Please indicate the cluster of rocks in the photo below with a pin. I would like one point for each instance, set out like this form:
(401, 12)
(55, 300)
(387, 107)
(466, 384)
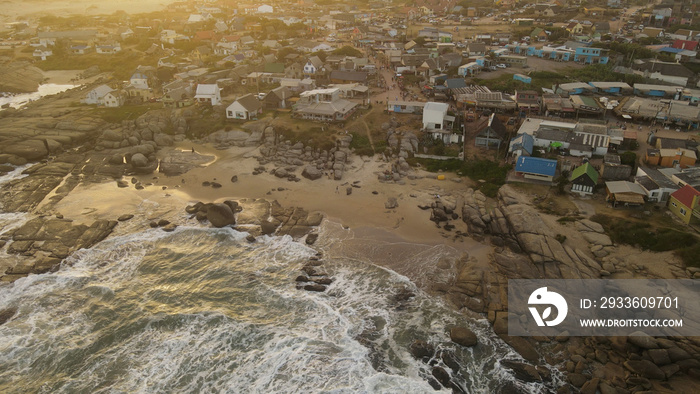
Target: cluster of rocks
(600, 243)
(135, 141)
(635, 363)
(45, 242)
(443, 212)
(526, 247)
(58, 177)
(313, 277)
(286, 173)
(316, 162)
(443, 360)
(224, 139)
(31, 139)
(399, 169)
(219, 215)
(259, 217)
(405, 142)
(164, 224)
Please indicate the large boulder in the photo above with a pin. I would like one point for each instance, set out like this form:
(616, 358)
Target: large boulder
(139, 160)
(163, 139)
(30, 149)
(645, 368)
(220, 215)
(463, 336)
(311, 172)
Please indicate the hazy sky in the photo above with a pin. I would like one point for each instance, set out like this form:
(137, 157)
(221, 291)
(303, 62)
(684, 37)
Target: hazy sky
(13, 8)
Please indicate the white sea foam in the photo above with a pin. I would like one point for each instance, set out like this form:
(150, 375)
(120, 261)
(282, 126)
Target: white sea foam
(203, 310)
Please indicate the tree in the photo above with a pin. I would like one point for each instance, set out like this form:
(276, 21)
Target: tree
(629, 158)
(562, 181)
(347, 51)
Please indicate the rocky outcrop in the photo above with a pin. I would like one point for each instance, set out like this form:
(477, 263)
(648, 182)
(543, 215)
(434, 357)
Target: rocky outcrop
(177, 162)
(19, 77)
(463, 336)
(259, 217)
(316, 162)
(133, 140)
(314, 277)
(43, 243)
(220, 215)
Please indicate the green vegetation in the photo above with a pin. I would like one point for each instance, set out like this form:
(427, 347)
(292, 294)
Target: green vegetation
(631, 52)
(629, 158)
(547, 79)
(121, 64)
(298, 130)
(659, 239)
(478, 170)
(361, 144)
(347, 51)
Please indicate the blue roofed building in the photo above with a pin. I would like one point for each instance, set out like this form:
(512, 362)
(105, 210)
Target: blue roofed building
(536, 168)
(589, 55)
(522, 145)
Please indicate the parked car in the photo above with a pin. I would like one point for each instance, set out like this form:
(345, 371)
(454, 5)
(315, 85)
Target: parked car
(493, 68)
(501, 65)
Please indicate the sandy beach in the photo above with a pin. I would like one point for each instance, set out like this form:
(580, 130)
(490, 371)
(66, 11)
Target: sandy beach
(360, 209)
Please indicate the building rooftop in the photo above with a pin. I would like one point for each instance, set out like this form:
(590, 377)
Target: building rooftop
(536, 165)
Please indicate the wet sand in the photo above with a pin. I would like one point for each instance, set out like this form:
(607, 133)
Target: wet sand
(360, 217)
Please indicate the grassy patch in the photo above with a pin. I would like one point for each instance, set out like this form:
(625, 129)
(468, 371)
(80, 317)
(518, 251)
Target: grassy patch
(121, 64)
(361, 144)
(645, 236)
(492, 173)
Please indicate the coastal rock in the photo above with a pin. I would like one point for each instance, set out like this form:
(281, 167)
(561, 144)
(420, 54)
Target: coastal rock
(422, 350)
(139, 160)
(523, 371)
(645, 368)
(463, 336)
(441, 376)
(315, 287)
(643, 340)
(163, 139)
(220, 215)
(7, 314)
(28, 149)
(391, 203)
(311, 172)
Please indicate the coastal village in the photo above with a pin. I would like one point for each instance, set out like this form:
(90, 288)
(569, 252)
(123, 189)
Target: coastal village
(563, 135)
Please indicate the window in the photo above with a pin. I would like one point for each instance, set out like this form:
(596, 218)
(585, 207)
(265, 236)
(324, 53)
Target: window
(674, 204)
(682, 211)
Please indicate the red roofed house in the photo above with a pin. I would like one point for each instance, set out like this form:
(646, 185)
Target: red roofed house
(206, 35)
(685, 203)
(685, 44)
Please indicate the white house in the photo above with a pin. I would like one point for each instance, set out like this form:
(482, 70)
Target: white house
(208, 93)
(139, 80)
(434, 115)
(42, 52)
(108, 48)
(112, 99)
(265, 9)
(438, 123)
(95, 96)
(312, 65)
(246, 107)
(226, 48)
